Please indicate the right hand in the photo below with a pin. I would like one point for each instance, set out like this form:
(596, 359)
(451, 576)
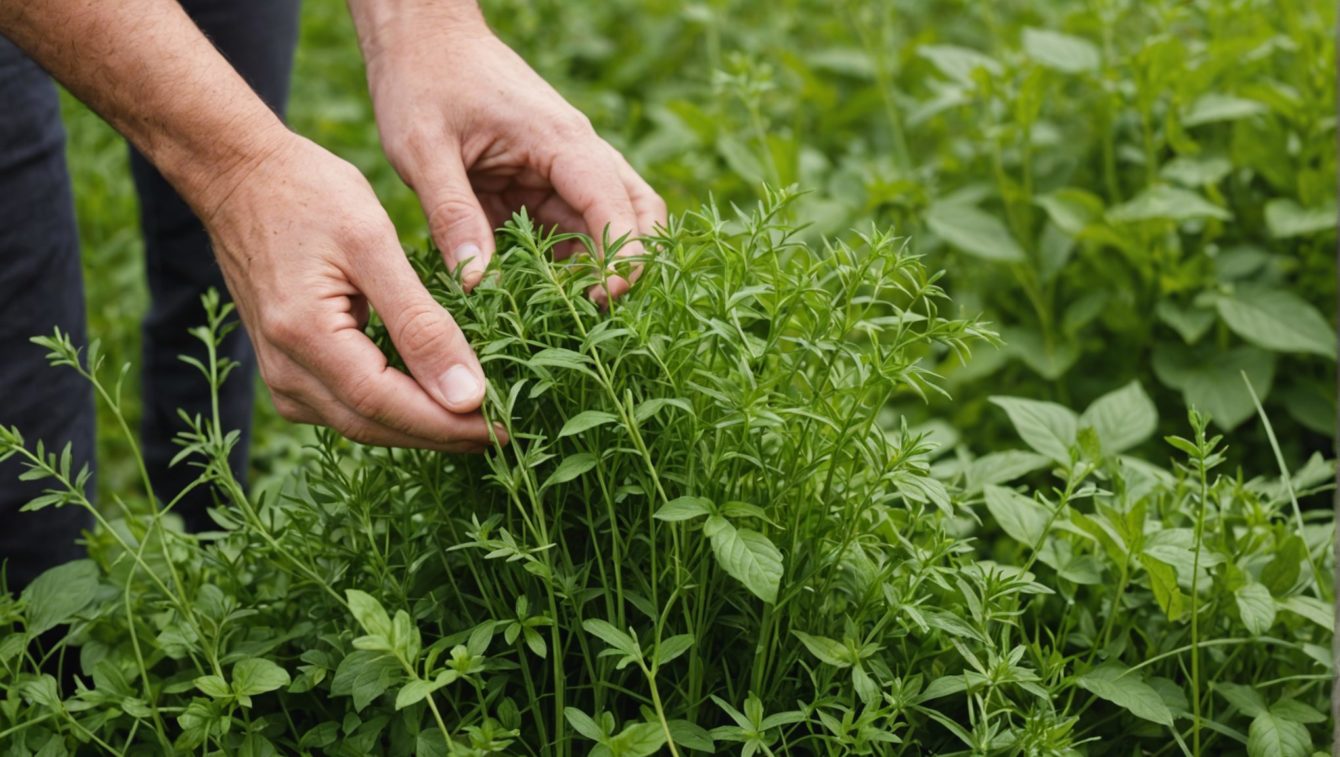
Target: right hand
(305, 247)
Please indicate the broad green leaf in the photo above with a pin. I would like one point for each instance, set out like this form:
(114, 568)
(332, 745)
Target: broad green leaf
(256, 675)
(959, 63)
(1128, 691)
(1122, 418)
(1272, 736)
(365, 676)
(973, 231)
(1061, 52)
(1219, 107)
(748, 556)
(1277, 320)
(1191, 322)
(1045, 426)
(59, 594)
(1196, 172)
(1298, 712)
(1247, 699)
(691, 736)
(1213, 384)
(571, 467)
(369, 613)
(584, 421)
(1071, 209)
(828, 651)
(1286, 218)
(1256, 607)
(683, 508)
(1313, 609)
(639, 740)
(213, 686)
(1021, 517)
(1001, 468)
(1162, 202)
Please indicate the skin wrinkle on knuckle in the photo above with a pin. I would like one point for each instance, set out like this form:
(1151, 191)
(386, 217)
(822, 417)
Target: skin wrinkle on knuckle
(454, 209)
(421, 331)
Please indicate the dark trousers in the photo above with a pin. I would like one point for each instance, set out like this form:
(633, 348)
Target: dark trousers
(41, 288)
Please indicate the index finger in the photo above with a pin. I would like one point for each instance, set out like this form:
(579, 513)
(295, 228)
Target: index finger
(588, 179)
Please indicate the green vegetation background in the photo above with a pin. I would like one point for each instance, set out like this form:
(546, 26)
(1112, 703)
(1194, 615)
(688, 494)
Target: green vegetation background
(1116, 222)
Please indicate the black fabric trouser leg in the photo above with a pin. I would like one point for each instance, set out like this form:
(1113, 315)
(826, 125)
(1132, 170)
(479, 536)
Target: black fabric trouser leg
(41, 288)
(258, 38)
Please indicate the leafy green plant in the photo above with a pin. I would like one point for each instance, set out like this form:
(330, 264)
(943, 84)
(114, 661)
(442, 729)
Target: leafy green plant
(712, 530)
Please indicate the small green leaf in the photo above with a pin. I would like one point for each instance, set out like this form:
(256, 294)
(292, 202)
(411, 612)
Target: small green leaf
(583, 724)
(1214, 107)
(413, 692)
(683, 508)
(255, 675)
(1163, 580)
(213, 686)
(1061, 52)
(829, 651)
(571, 467)
(1165, 203)
(612, 636)
(369, 613)
(584, 421)
(1256, 607)
(673, 647)
(959, 63)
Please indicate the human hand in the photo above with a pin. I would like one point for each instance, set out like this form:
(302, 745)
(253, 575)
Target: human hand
(305, 247)
(478, 135)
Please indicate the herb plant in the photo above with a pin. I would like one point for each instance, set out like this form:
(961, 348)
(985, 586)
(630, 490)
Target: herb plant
(713, 529)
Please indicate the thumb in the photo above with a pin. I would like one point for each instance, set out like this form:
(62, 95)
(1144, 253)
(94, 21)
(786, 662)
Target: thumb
(424, 333)
(457, 221)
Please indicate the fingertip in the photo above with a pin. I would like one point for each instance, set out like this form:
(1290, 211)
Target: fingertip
(460, 389)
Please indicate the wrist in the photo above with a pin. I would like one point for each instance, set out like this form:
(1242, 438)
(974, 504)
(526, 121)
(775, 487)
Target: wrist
(386, 25)
(209, 171)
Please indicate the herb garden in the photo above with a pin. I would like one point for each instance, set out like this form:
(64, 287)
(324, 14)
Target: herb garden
(977, 399)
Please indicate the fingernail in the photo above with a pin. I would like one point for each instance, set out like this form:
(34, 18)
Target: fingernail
(460, 386)
(470, 258)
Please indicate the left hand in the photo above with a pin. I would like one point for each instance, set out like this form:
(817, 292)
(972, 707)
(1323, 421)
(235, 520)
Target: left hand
(478, 135)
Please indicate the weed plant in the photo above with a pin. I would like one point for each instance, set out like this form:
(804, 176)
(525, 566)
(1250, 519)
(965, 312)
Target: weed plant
(711, 531)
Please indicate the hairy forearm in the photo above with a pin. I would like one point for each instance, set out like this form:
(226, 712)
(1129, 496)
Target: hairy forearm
(381, 22)
(146, 68)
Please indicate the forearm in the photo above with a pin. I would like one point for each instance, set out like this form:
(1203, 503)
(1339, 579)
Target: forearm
(379, 22)
(145, 67)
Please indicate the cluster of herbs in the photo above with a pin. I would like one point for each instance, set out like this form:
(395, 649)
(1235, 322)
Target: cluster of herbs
(712, 530)
(1130, 190)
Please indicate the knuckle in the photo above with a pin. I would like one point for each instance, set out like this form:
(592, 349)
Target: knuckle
(281, 327)
(363, 397)
(452, 210)
(421, 330)
(573, 127)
